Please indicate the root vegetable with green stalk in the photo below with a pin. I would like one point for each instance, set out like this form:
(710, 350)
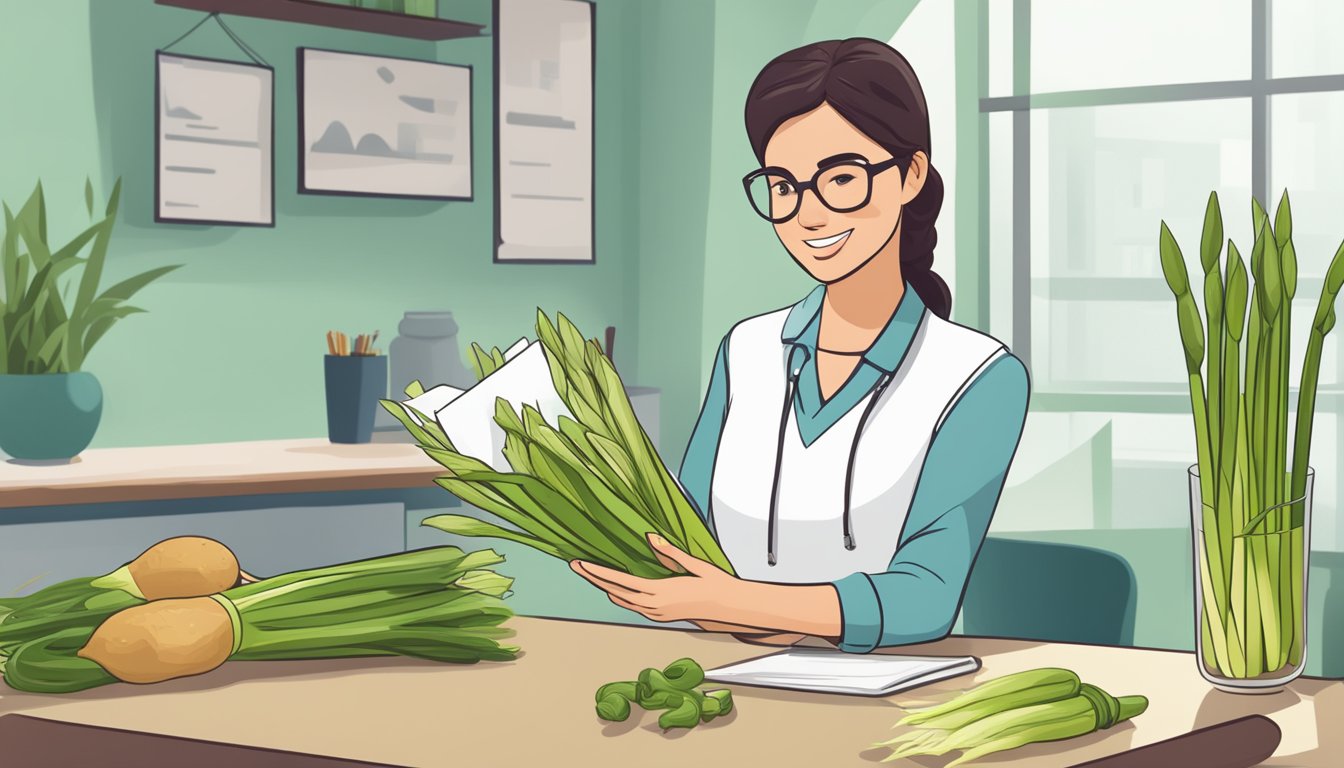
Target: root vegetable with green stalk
(440, 604)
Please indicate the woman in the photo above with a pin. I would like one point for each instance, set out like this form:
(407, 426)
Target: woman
(852, 447)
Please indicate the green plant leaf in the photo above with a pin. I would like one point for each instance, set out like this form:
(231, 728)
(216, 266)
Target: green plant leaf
(1283, 221)
(1212, 239)
(41, 213)
(32, 238)
(1173, 263)
(1270, 285)
(1237, 293)
(9, 260)
(476, 357)
(104, 324)
(93, 269)
(130, 286)
(88, 195)
(54, 344)
(72, 248)
(1259, 219)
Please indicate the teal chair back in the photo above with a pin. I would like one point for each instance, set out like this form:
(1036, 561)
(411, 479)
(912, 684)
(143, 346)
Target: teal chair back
(1325, 620)
(1035, 590)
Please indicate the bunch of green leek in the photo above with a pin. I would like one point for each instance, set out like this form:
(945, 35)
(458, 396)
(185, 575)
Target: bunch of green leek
(590, 487)
(1011, 711)
(1252, 550)
(440, 604)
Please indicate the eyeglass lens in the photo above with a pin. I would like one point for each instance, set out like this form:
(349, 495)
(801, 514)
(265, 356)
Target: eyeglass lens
(841, 187)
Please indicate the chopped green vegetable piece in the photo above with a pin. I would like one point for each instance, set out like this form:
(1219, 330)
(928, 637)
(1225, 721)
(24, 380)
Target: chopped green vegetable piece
(684, 674)
(613, 707)
(669, 690)
(685, 715)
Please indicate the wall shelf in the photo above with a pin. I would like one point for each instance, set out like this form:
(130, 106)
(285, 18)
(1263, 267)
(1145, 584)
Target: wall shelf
(343, 17)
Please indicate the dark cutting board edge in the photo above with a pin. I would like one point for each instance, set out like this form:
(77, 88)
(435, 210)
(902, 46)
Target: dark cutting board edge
(38, 742)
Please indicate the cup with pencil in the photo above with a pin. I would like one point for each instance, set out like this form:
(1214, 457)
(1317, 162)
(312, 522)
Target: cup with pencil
(356, 381)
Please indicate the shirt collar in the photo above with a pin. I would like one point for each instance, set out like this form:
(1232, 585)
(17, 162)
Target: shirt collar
(803, 324)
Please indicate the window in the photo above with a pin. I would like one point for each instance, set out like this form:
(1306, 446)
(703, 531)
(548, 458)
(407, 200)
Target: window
(1102, 118)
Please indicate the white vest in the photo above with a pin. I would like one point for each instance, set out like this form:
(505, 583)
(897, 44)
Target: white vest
(943, 359)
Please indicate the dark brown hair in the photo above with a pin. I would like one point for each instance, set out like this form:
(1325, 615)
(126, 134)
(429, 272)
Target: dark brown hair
(874, 88)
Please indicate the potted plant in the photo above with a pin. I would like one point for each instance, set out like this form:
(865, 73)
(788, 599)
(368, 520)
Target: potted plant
(1250, 500)
(49, 407)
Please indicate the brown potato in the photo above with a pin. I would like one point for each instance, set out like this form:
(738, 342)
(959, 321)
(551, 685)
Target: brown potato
(185, 566)
(162, 640)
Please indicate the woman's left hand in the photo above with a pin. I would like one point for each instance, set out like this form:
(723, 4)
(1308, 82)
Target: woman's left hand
(705, 593)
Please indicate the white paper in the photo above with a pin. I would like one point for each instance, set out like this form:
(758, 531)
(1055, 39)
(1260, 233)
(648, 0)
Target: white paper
(468, 418)
(820, 669)
(518, 346)
(427, 404)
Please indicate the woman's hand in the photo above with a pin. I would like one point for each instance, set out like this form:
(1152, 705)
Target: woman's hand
(754, 635)
(705, 594)
(712, 599)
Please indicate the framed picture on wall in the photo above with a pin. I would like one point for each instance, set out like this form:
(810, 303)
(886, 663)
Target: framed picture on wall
(383, 126)
(215, 138)
(544, 131)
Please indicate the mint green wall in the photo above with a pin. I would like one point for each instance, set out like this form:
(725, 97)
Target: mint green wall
(677, 64)
(231, 347)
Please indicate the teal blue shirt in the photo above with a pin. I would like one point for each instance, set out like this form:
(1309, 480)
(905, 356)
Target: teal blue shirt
(916, 599)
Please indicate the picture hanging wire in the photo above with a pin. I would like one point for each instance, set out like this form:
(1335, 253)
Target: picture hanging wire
(238, 41)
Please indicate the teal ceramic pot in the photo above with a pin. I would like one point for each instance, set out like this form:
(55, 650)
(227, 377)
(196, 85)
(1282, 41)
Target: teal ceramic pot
(48, 416)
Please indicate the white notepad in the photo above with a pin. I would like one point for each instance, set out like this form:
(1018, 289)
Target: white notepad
(830, 671)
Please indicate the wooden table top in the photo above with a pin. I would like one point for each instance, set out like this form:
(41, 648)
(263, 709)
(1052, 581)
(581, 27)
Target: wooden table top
(538, 710)
(217, 469)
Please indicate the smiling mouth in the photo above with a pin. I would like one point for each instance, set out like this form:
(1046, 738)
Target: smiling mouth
(827, 242)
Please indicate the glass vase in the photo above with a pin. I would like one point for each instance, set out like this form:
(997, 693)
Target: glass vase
(1250, 570)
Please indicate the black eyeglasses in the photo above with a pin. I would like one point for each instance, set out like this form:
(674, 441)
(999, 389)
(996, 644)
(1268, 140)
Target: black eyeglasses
(843, 187)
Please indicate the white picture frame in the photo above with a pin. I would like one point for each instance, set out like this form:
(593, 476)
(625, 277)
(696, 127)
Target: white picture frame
(544, 116)
(214, 152)
(381, 126)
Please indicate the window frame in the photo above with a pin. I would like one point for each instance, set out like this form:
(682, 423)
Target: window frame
(1259, 88)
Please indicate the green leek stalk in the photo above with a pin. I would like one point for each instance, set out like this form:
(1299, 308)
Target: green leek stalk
(1232, 454)
(1192, 339)
(1283, 231)
(1021, 689)
(1209, 253)
(1248, 456)
(1274, 401)
(1322, 323)
(1012, 711)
